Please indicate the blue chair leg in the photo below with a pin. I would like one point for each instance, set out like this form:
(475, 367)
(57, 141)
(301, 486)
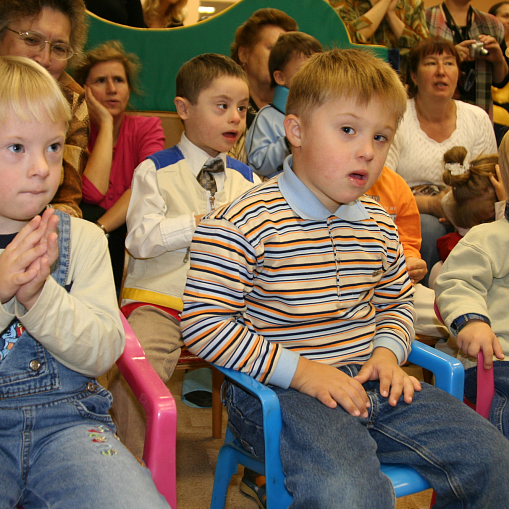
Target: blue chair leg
(227, 462)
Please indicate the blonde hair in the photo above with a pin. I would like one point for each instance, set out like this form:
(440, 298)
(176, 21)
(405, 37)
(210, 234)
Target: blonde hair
(29, 92)
(503, 157)
(473, 192)
(345, 73)
(174, 11)
(107, 52)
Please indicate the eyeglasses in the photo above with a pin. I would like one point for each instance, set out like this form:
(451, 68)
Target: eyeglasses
(59, 50)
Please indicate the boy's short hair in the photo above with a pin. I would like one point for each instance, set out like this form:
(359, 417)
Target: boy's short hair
(287, 46)
(29, 92)
(107, 52)
(198, 74)
(345, 73)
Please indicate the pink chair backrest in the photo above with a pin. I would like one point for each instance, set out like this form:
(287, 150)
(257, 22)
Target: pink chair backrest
(159, 452)
(485, 387)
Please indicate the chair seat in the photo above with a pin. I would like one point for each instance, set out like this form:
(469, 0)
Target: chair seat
(449, 376)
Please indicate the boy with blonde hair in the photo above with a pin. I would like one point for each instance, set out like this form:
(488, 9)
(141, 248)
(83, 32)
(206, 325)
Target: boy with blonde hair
(313, 297)
(59, 321)
(171, 192)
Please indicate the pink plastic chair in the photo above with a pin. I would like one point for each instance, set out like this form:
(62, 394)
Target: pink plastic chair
(159, 452)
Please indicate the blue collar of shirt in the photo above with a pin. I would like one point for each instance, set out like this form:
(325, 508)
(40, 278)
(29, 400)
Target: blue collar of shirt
(279, 98)
(307, 205)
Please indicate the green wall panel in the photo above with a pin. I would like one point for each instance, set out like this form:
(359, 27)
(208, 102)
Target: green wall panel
(163, 51)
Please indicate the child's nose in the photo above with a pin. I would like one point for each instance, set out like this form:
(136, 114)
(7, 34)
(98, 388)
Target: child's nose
(39, 167)
(235, 116)
(366, 150)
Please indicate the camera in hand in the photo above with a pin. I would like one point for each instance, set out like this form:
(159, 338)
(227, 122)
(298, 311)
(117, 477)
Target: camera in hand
(477, 49)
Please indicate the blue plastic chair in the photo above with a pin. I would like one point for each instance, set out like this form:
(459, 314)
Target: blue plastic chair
(449, 376)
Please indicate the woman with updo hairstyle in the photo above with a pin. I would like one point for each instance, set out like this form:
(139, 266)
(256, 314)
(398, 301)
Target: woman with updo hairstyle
(476, 194)
(251, 49)
(118, 142)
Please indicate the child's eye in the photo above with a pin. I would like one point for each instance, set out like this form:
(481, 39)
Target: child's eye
(17, 148)
(54, 147)
(348, 130)
(242, 108)
(223, 106)
(381, 137)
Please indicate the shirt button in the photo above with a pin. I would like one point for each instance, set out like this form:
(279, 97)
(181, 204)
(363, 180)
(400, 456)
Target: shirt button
(91, 387)
(35, 365)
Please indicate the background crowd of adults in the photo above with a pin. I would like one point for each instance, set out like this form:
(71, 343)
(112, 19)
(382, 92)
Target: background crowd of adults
(449, 86)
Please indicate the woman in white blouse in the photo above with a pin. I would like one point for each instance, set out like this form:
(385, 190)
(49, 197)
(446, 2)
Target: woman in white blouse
(433, 123)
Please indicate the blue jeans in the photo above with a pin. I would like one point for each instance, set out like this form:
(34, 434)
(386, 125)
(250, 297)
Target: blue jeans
(331, 459)
(57, 442)
(431, 230)
(499, 413)
(65, 454)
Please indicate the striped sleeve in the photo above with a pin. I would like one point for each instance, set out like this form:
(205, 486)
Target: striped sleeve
(214, 326)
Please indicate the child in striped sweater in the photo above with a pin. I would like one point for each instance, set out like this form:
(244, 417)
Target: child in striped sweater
(302, 284)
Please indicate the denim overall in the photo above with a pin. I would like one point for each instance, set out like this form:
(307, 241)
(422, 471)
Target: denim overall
(57, 442)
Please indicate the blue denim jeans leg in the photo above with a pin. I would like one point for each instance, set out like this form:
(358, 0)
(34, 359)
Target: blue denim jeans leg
(431, 230)
(499, 413)
(331, 459)
(66, 455)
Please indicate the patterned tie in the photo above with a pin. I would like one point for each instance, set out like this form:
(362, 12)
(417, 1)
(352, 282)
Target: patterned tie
(206, 177)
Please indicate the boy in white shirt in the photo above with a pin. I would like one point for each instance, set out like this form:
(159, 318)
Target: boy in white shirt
(167, 203)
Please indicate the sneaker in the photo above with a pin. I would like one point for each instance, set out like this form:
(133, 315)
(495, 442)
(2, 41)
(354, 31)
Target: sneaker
(253, 485)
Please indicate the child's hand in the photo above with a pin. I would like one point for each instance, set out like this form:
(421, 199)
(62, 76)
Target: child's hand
(330, 386)
(383, 366)
(477, 335)
(19, 255)
(416, 268)
(497, 184)
(29, 292)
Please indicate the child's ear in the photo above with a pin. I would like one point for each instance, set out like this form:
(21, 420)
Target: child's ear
(279, 78)
(182, 104)
(293, 130)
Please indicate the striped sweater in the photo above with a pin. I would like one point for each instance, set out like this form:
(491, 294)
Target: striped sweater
(275, 276)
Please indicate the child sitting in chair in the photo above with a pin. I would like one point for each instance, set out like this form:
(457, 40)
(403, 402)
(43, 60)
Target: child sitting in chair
(471, 291)
(266, 143)
(301, 283)
(59, 321)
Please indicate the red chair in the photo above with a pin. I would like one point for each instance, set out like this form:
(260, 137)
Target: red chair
(159, 452)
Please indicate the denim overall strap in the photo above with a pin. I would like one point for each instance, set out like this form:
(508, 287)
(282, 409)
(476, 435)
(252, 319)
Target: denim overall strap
(60, 269)
(29, 369)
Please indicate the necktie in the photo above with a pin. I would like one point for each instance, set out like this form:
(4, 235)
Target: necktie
(206, 177)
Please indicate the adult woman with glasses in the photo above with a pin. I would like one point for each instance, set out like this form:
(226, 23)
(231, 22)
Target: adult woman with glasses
(52, 33)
